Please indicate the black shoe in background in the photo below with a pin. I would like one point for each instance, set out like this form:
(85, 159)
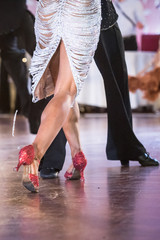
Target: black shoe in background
(49, 173)
(146, 160)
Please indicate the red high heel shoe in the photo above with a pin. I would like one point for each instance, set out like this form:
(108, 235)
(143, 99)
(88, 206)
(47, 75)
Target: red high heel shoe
(26, 156)
(30, 171)
(79, 163)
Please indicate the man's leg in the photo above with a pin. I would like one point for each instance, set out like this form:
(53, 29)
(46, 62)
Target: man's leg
(122, 143)
(53, 160)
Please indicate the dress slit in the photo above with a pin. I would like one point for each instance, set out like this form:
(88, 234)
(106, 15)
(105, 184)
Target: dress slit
(77, 24)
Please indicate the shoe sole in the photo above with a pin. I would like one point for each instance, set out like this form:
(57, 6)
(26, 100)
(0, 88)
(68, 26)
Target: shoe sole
(29, 186)
(26, 181)
(149, 165)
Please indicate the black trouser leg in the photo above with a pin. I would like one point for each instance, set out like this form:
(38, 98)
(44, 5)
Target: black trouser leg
(55, 155)
(12, 59)
(27, 38)
(4, 90)
(122, 142)
(27, 41)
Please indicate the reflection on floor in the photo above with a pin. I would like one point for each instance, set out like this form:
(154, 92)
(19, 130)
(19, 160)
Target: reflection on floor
(113, 203)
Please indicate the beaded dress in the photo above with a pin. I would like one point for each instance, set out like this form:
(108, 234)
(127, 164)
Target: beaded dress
(77, 24)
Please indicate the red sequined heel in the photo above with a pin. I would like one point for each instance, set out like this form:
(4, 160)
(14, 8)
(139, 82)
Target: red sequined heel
(79, 163)
(30, 171)
(26, 156)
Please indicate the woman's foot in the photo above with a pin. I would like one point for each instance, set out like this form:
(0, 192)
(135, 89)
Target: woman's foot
(30, 171)
(76, 170)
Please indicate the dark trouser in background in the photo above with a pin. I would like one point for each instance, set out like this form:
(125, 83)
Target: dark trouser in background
(12, 46)
(4, 90)
(12, 61)
(130, 43)
(109, 57)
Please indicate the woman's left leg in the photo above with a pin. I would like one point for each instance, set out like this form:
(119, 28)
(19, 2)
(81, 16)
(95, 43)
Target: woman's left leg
(71, 129)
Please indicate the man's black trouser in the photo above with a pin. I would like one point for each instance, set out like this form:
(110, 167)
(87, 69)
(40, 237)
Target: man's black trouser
(109, 57)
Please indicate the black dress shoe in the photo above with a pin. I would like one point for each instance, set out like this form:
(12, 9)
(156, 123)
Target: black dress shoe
(48, 173)
(147, 160)
(124, 163)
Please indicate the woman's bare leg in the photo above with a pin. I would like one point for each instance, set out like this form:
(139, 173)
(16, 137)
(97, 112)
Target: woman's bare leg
(71, 129)
(57, 110)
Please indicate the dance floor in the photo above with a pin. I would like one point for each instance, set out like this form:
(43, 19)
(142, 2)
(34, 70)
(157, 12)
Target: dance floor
(114, 203)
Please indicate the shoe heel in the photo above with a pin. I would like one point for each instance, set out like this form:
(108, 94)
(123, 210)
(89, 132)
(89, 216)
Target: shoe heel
(15, 169)
(79, 164)
(82, 175)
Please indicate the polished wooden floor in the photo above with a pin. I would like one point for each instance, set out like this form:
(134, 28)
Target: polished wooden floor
(114, 203)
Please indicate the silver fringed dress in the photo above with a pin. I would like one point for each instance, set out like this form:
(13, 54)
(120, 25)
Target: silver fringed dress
(77, 24)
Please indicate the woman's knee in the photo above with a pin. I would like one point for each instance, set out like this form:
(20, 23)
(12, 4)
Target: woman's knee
(69, 91)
